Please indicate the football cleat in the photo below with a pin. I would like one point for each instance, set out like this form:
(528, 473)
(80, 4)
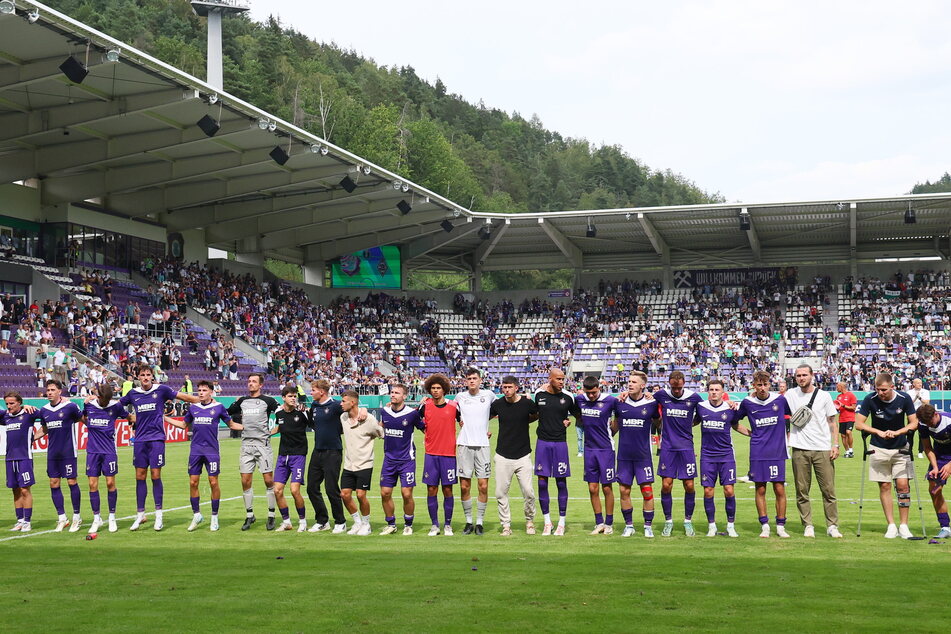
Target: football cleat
(159, 524)
(355, 528)
(250, 519)
(944, 533)
(598, 529)
(389, 529)
(608, 530)
(214, 523)
(364, 529)
(61, 524)
(339, 528)
(731, 530)
(96, 525)
(284, 526)
(765, 531)
(649, 532)
(688, 528)
(781, 531)
(712, 530)
(628, 531)
(447, 530)
(17, 526)
(196, 520)
(302, 526)
(75, 524)
(479, 529)
(271, 523)
(139, 520)
(547, 530)
(468, 529)
(26, 527)
(668, 528)
(434, 531)
(407, 530)
(113, 525)
(559, 530)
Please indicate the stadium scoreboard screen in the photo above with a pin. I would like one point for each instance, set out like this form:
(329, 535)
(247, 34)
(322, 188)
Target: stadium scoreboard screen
(379, 267)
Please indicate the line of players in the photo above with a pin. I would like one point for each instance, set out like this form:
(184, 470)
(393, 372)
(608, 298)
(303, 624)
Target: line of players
(448, 459)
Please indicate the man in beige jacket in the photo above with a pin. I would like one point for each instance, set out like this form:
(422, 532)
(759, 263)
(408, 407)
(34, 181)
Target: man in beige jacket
(357, 461)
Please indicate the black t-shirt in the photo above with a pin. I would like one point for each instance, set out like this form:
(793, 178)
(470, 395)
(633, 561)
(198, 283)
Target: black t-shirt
(514, 418)
(887, 415)
(294, 427)
(553, 409)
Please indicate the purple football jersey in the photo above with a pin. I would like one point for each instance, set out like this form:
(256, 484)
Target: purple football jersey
(768, 425)
(19, 434)
(634, 428)
(677, 416)
(149, 411)
(716, 425)
(596, 420)
(398, 432)
(60, 421)
(204, 421)
(940, 436)
(101, 426)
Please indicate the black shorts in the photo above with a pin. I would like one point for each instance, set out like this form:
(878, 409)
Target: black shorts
(844, 428)
(356, 479)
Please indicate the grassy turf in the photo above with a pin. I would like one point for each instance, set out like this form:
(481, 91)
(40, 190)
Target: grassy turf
(228, 580)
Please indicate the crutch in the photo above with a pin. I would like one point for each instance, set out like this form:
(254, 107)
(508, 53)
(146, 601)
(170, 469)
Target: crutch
(909, 451)
(865, 454)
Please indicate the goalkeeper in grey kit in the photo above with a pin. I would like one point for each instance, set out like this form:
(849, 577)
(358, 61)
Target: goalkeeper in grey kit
(253, 412)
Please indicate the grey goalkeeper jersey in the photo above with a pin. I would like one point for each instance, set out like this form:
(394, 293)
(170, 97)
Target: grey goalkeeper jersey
(253, 413)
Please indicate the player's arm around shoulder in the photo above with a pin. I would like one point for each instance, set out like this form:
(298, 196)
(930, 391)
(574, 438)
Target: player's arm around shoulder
(181, 424)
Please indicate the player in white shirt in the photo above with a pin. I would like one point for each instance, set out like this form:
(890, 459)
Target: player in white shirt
(919, 396)
(472, 448)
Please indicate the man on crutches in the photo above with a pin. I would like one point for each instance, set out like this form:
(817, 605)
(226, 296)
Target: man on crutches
(887, 410)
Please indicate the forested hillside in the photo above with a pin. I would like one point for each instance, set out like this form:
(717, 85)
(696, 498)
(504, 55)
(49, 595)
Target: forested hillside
(474, 154)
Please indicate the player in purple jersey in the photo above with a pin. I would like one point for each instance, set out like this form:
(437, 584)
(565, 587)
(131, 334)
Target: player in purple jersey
(717, 462)
(935, 430)
(555, 407)
(596, 412)
(21, 432)
(203, 419)
(399, 458)
(678, 460)
(768, 414)
(59, 418)
(148, 402)
(633, 421)
(100, 417)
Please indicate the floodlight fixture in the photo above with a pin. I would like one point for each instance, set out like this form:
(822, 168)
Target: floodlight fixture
(7, 7)
(33, 16)
(112, 55)
(745, 224)
(262, 123)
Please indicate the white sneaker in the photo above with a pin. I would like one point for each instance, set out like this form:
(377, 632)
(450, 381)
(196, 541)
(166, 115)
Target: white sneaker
(353, 529)
(506, 531)
(197, 519)
(139, 520)
(833, 532)
(317, 527)
(389, 529)
(447, 530)
(339, 528)
(61, 523)
(364, 529)
(96, 525)
(731, 530)
(781, 531)
(891, 532)
(546, 532)
(628, 531)
(668, 528)
(712, 529)
(529, 528)
(649, 532)
(302, 526)
(580, 454)
(434, 530)
(688, 528)
(26, 527)
(559, 530)
(214, 523)
(809, 531)
(920, 455)
(17, 526)
(159, 521)
(765, 531)
(407, 530)
(75, 524)
(904, 532)
(608, 530)
(113, 525)
(283, 527)
(944, 533)
(598, 529)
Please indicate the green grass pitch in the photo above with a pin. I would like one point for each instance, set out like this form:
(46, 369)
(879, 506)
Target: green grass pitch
(230, 580)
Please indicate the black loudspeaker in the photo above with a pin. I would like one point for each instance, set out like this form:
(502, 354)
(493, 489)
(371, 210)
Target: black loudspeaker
(74, 70)
(208, 125)
(348, 184)
(446, 226)
(279, 155)
(404, 207)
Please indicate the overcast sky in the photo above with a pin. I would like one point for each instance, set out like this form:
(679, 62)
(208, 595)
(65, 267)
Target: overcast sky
(761, 101)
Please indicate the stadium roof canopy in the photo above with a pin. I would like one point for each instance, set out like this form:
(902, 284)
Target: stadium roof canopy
(127, 136)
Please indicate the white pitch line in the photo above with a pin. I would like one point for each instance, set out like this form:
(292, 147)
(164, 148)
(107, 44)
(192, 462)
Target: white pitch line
(119, 519)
